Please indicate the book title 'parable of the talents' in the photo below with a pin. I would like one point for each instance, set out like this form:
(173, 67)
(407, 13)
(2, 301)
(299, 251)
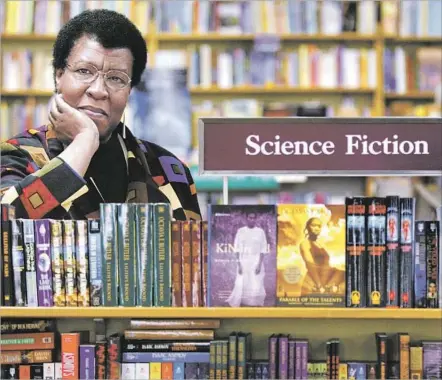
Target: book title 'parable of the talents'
(356, 144)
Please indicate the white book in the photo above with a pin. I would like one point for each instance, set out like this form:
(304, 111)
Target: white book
(142, 371)
(128, 371)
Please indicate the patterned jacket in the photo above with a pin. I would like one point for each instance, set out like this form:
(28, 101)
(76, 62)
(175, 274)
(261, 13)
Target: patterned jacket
(41, 185)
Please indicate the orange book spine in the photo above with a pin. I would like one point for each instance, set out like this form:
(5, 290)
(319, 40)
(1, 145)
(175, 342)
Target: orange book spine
(31, 341)
(186, 265)
(177, 291)
(24, 372)
(196, 263)
(70, 344)
(167, 371)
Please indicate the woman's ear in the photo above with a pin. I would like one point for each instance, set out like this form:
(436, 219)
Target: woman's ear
(58, 75)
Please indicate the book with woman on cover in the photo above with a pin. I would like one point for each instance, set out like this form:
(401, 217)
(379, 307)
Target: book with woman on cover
(311, 255)
(242, 255)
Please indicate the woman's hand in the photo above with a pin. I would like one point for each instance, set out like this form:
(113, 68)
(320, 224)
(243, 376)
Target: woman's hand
(69, 123)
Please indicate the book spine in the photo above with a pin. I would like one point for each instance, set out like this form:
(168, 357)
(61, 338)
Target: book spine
(82, 254)
(196, 263)
(27, 326)
(433, 265)
(30, 267)
(155, 371)
(283, 349)
(126, 254)
(393, 252)
(292, 359)
(37, 372)
(95, 263)
(376, 225)
(128, 371)
(145, 254)
(18, 263)
(224, 359)
(212, 360)
(416, 362)
(165, 357)
(109, 247)
(204, 261)
(439, 220)
(87, 361)
(177, 291)
(162, 267)
(25, 357)
(407, 212)
(404, 356)
(420, 266)
(134, 346)
(43, 256)
(329, 359)
(304, 358)
(186, 264)
(381, 344)
(49, 371)
(7, 214)
(273, 356)
(30, 341)
(174, 324)
(70, 343)
(58, 276)
(142, 370)
(70, 263)
(100, 360)
(232, 356)
(114, 358)
(242, 356)
(355, 252)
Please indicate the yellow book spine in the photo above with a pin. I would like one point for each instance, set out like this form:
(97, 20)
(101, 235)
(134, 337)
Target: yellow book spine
(155, 371)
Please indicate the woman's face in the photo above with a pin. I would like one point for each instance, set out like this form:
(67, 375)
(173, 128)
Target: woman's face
(315, 227)
(103, 105)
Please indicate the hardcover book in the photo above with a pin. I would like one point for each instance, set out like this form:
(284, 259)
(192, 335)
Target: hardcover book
(242, 255)
(311, 255)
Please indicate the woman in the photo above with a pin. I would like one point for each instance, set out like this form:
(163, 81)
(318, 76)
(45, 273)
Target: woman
(86, 156)
(320, 276)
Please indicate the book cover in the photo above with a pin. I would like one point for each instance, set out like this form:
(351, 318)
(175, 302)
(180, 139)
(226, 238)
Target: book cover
(242, 255)
(311, 255)
(44, 267)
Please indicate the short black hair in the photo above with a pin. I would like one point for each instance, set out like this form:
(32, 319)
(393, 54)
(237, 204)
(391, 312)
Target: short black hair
(111, 29)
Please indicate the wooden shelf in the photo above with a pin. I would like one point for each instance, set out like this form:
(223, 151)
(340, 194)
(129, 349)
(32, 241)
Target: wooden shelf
(413, 40)
(279, 90)
(38, 93)
(217, 37)
(255, 91)
(223, 313)
(412, 95)
(27, 37)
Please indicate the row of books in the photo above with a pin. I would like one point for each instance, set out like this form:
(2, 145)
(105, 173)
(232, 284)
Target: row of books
(191, 349)
(134, 255)
(306, 65)
(404, 72)
(202, 16)
(409, 18)
(370, 252)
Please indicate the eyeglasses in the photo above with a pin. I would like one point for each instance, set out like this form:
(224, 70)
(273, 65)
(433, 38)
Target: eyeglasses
(87, 73)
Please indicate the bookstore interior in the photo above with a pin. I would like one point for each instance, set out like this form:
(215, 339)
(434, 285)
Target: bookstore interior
(322, 266)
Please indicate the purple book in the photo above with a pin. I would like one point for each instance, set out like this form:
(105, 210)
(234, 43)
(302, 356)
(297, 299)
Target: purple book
(292, 358)
(87, 362)
(303, 344)
(273, 356)
(43, 256)
(432, 359)
(242, 255)
(283, 343)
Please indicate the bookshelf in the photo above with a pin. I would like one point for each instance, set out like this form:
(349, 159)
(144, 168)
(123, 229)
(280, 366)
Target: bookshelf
(222, 313)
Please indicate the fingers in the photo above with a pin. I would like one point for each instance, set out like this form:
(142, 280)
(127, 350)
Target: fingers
(62, 106)
(54, 113)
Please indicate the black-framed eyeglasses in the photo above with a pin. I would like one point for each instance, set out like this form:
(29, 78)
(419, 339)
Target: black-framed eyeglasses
(88, 73)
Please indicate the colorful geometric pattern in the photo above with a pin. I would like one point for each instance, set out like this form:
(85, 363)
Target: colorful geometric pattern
(41, 185)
